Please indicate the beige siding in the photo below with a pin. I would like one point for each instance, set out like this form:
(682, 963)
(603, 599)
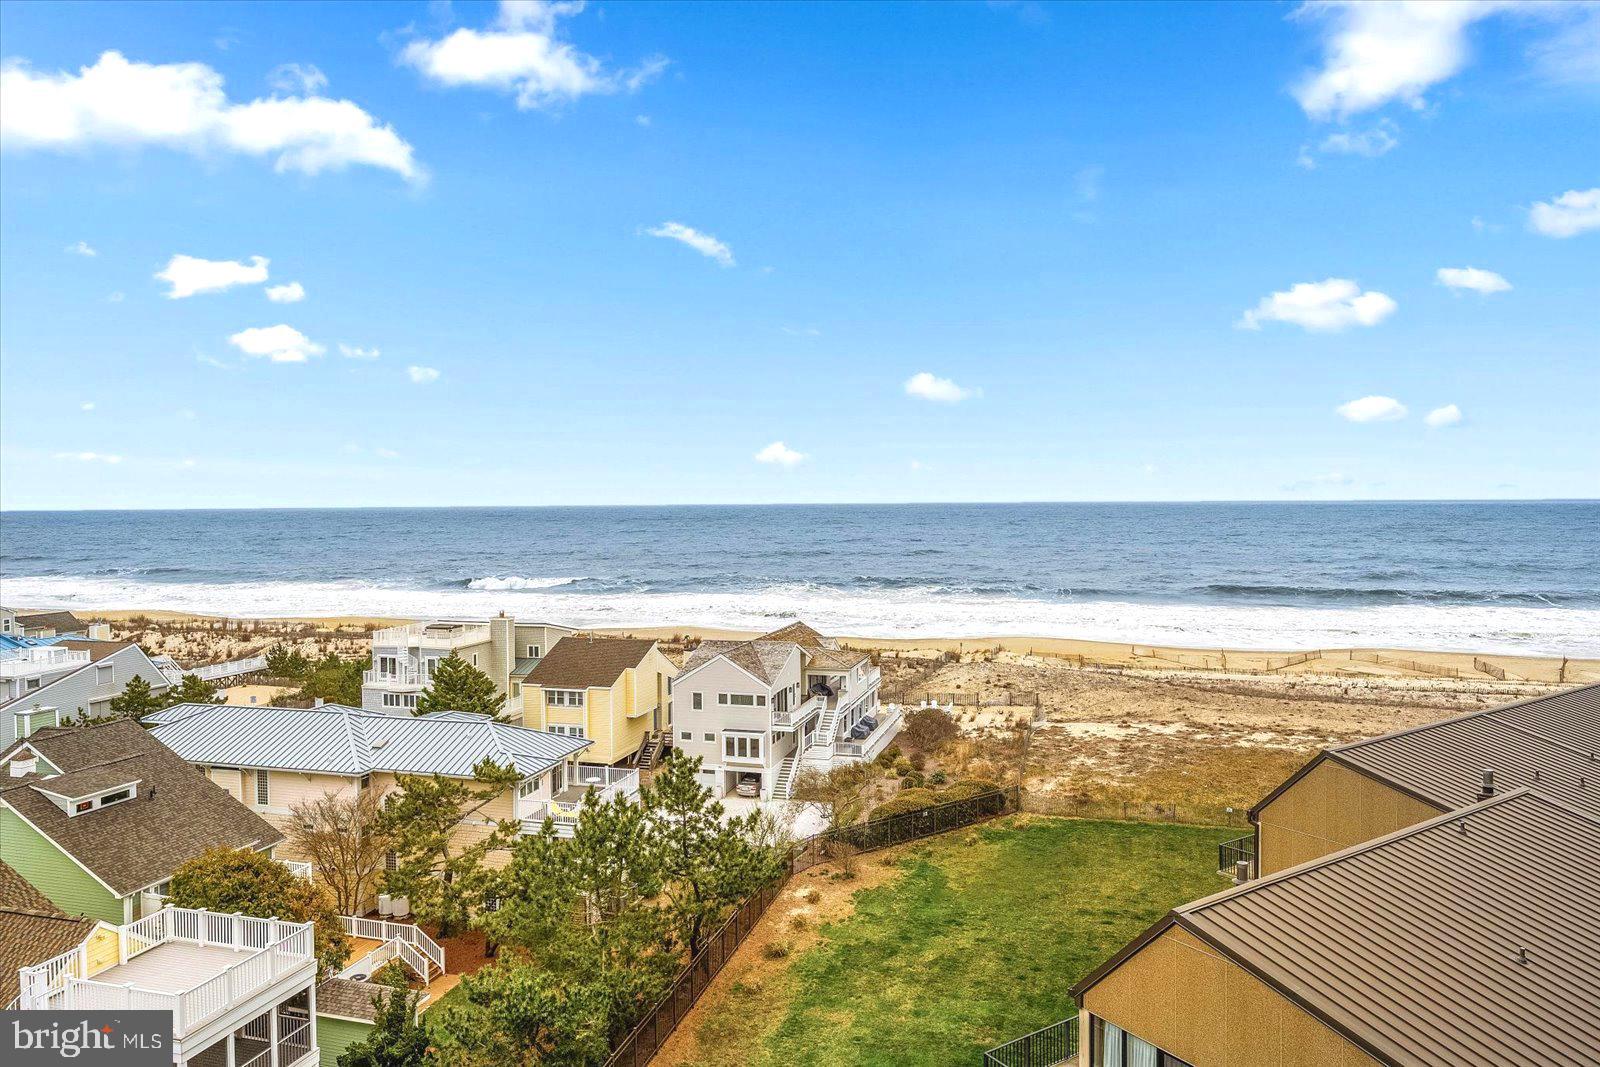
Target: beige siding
(1330, 808)
(1182, 995)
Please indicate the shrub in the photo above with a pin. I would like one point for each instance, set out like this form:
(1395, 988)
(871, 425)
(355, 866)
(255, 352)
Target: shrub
(902, 766)
(929, 729)
(813, 896)
(938, 778)
(912, 779)
(776, 951)
(967, 788)
(918, 761)
(907, 800)
(888, 756)
(799, 922)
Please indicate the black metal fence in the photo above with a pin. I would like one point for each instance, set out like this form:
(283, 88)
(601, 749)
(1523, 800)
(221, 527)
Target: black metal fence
(1231, 852)
(659, 1022)
(1056, 1043)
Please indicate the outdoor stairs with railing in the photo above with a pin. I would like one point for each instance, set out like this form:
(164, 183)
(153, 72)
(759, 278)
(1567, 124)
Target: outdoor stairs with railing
(649, 752)
(416, 949)
(827, 726)
(783, 786)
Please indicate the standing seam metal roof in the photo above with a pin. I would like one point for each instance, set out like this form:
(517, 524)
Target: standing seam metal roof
(334, 739)
(1408, 945)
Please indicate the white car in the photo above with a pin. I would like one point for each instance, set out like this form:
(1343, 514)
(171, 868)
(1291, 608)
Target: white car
(749, 785)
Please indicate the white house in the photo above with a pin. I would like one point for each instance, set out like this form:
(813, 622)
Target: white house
(758, 712)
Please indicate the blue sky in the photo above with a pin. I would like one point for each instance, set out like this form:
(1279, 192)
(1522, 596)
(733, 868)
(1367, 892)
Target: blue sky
(614, 254)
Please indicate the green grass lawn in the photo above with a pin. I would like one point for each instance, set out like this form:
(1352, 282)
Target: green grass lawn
(976, 942)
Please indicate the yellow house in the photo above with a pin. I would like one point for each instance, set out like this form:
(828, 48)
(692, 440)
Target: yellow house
(614, 692)
(1356, 792)
(1468, 938)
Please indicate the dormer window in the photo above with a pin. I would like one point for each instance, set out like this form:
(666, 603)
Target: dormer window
(85, 803)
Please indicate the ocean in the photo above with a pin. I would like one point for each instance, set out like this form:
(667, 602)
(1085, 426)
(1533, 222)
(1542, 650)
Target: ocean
(1484, 576)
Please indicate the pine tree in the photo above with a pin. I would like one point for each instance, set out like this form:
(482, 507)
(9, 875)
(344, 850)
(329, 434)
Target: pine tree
(192, 690)
(459, 686)
(136, 700)
(397, 1039)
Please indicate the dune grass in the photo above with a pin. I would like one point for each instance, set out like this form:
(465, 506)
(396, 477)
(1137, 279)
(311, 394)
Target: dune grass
(976, 941)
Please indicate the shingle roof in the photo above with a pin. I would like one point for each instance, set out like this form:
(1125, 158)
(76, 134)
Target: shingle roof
(334, 739)
(1409, 945)
(32, 929)
(582, 661)
(1551, 743)
(62, 622)
(178, 813)
(765, 656)
(349, 999)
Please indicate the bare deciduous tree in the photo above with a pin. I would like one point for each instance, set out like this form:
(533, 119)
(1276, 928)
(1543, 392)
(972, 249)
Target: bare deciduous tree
(338, 834)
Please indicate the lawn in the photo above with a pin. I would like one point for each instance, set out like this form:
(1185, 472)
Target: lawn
(971, 939)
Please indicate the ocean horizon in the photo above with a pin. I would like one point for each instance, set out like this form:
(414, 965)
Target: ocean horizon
(1494, 576)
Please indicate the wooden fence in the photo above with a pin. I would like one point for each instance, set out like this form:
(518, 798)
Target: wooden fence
(1488, 668)
(659, 1022)
(1406, 664)
(982, 698)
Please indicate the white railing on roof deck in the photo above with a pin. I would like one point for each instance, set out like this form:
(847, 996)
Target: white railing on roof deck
(21, 662)
(437, 634)
(298, 868)
(378, 930)
(275, 948)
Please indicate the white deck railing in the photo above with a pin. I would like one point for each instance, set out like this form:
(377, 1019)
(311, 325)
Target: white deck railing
(275, 948)
(431, 635)
(22, 662)
(606, 782)
(379, 930)
(870, 746)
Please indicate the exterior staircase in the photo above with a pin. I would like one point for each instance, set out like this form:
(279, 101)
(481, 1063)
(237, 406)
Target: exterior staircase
(653, 748)
(783, 787)
(827, 726)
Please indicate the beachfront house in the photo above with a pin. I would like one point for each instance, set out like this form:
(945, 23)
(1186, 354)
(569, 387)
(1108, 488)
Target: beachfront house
(1356, 792)
(98, 817)
(616, 692)
(15, 623)
(48, 680)
(241, 989)
(404, 657)
(273, 759)
(759, 712)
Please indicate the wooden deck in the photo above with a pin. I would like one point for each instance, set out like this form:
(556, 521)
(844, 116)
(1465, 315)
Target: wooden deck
(173, 967)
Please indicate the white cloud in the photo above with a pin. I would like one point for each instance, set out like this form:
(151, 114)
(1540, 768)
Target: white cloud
(87, 405)
(292, 293)
(781, 454)
(422, 375)
(1331, 304)
(357, 352)
(521, 53)
(280, 344)
(188, 275)
(1448, 415)
(89, 457)
(1479, 281)
(641, 120)
(117, 297)
(303, 79)
(385, 453)
(703, 243)
(942, 390)
(81, 248)
(1370, 143)
(1373, 409)
(1573, 212)
(1384, 50)
(183, 106)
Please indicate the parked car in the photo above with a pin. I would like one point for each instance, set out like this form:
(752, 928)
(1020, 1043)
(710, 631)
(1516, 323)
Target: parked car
(749, 785)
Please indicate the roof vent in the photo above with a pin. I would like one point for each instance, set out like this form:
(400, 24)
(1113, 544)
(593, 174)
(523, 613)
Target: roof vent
(1487, 789)
(379, 743)
(1522, 954)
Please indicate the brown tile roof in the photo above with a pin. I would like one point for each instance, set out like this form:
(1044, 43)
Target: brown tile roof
(1411, 945)
(178, 813)
(580, 661)
(762, 658)
(349, 999)
(32, 929)
(62, 622)
(1551, 743)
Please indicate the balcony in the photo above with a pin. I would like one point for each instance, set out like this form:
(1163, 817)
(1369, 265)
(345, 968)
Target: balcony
(788, 720)
(860, 750)
(201, 966)
(407, 677)
(28, 662)
(563, 809)
(447, 635)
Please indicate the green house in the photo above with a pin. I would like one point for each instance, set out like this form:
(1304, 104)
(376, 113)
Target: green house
(98, 817)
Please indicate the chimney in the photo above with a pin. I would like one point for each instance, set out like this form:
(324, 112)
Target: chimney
(1241, 872)
(316, 702)
(1487, 789)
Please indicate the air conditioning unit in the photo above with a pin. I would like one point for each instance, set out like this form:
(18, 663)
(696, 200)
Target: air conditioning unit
(385, 904)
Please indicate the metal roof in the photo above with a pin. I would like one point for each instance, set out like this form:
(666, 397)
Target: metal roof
(1550, 743)
(1412, 945)
(334, 739)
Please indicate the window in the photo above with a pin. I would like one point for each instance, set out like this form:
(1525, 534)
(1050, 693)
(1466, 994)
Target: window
(399, 700)
(516, 689)
(33, 683)
(105, 674)
(366, 781)
(261, 788)
(533, 651)
(388, 665)
(741, 746)
(116, 798)
(474, 659)
(390, 861)
(563, 698)
(741, 700)
(82, 806)
(687, 736)
(1115, 1047)
(711, 739)
(697, 702)
(567, 729)
(528, 788)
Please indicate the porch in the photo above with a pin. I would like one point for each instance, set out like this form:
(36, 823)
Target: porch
(282, 1037)
(583, 778)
